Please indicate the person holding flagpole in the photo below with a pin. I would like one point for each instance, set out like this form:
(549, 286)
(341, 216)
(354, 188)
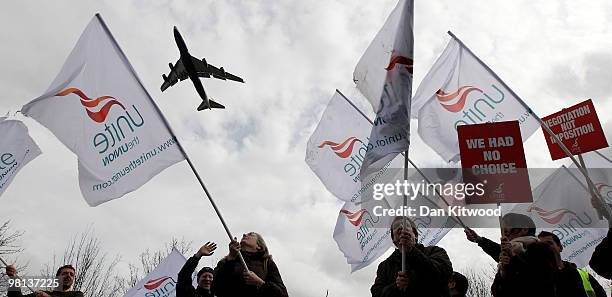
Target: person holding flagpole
(204, 278)
(262, 277)
(428, 269)
(569, 279)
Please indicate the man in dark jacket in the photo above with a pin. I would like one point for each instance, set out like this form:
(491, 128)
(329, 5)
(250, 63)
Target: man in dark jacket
(204, 277)
(513, 226)
(569, 280)
(428, 269)
(528, 273)
(64, 275)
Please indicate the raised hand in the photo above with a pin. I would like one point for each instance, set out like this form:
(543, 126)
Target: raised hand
(207, 249)
(11, 271)
(471, 235)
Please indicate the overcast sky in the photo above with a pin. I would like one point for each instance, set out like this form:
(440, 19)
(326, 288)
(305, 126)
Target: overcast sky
(292, 54)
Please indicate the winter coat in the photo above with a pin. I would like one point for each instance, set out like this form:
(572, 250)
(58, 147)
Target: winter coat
(601, 260)
(428, 272)
(490, 247)
(184, 287)
(525, 275)
(228, 277)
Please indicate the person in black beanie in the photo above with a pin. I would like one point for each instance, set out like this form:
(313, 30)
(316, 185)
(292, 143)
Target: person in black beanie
(204, 277)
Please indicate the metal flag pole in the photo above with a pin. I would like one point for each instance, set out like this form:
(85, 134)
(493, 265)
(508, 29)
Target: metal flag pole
(405, 205)
(457, 219)
(161, 115)
(6, 264)
(540, 121)
(591, 190)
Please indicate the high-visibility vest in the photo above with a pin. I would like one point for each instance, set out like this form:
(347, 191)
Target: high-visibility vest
(588, 289)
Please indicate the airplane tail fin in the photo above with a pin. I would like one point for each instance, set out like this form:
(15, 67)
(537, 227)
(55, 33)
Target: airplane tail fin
(213, 104)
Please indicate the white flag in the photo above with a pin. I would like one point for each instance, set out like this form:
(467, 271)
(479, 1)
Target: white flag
(99, 110)
(562, 206)
(162, 280)
(460, 90)
(16, 150)
(599, 167)
(384, 76)
(337, 148)
(361, 236)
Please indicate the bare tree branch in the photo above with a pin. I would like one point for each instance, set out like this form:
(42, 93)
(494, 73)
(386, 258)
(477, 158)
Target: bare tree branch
(10, 248)
(480, 281)
(95, 271)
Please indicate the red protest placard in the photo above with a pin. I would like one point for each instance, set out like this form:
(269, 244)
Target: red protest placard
(577, 127)
(492, 154)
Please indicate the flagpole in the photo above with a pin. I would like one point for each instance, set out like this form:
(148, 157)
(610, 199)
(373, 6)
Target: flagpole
(455, 218)
(6, 264)
(404, 218)
(591, 190)
(161, 115)
(604, 157)
(540, 121)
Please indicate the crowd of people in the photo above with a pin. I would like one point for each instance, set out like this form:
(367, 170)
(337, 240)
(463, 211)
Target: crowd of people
(229, 278)
(528, 265)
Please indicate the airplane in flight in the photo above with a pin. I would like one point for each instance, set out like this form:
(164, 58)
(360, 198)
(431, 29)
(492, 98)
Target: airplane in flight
(190, 67)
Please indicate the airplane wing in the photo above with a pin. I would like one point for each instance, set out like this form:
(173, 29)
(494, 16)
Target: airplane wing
(206, 70)
(177, 73)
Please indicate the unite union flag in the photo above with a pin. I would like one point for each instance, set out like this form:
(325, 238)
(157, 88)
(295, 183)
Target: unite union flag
(383, 75)
(17, 149)
(461, 90)
(98, 108)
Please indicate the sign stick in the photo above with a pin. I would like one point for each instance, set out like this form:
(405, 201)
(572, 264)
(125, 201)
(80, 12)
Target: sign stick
(591, 190)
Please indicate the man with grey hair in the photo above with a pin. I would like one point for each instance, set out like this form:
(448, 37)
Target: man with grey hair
(428, 269)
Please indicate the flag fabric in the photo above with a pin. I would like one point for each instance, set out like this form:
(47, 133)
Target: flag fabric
(599, 168)
(336, 150)
(562, 205)
(384, 76)
(363, 237)
(460, 90)
(98, 108)
(162, 280)
(17, 149)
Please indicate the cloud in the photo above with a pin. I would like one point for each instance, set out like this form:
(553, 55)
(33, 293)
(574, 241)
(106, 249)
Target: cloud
(584, 77)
